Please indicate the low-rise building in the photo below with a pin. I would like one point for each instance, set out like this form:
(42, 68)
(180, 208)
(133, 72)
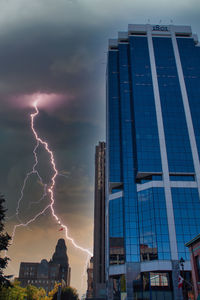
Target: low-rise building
(194, 246)
(45, 274)
(89, 293)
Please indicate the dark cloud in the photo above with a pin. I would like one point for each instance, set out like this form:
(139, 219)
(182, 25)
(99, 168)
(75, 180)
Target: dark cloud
(50, 61)
(59, 47)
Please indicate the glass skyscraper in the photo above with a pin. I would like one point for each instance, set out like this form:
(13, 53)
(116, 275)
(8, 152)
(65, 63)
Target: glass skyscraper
(152, 163)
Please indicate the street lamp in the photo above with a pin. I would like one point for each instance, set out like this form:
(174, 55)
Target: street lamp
(182, 261)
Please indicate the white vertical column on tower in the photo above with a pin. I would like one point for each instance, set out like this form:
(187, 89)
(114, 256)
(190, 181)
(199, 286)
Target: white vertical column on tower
(186, 105)
(163, 151)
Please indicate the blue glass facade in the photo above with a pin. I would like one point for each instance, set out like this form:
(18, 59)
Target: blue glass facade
(186, 207)
(116, 218)
(154, 235)
(158, 209)
(127, 144)
(114, 120)
(190, 61)
(145, 123)
(176, 134)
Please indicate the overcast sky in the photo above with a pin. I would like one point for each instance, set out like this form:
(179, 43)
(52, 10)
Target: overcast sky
(59, 48)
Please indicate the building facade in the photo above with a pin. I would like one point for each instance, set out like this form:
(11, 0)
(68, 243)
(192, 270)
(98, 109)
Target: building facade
(152, 159)
(42, 275)
(99, 288)
(90, 285)
(194, 246)
(45, 274)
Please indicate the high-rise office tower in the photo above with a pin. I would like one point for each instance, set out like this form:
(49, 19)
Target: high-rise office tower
(99, 223)
(153, 168)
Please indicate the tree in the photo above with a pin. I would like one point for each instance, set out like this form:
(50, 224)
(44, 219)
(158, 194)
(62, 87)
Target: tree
(67, 293)
(32, 292)
(4, 243)
(54, 291)
(16, 292)
(41, 294)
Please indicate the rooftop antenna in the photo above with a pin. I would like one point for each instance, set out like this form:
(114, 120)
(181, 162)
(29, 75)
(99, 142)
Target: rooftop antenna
(148, 21)
(160, 22)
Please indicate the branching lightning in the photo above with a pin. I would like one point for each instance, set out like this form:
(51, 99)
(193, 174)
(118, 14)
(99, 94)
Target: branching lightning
(47, 189)
(85, 269)
(51, 188)
(43, 196)
(33, 171)
(28, 222)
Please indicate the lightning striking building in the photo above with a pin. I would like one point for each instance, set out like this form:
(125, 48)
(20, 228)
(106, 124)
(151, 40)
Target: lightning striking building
(153, 168)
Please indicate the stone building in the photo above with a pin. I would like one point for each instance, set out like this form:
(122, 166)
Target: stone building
(194, 246)
(89, 293)
(45, 274)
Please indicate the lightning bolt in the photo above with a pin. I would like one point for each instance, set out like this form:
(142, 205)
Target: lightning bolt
(33, 171)
(85, 270)
(50, 189)
(43, 196)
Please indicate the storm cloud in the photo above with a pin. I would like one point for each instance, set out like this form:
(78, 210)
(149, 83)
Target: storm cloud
(59, 48)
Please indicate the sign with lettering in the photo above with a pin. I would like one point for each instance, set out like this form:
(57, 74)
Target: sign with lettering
(160, 28)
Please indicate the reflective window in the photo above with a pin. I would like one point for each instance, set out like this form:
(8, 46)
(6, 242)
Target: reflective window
(190, 60)
(186, 206)
(113, 119)
(117, 254)
(128, 158)
(182, 177)
(116, 218)
(175, 127)
(116, 241)
(146, 138)
(149, 178)
(159, 279)
(154, 236)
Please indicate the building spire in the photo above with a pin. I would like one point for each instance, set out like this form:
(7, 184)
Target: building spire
(60, 254)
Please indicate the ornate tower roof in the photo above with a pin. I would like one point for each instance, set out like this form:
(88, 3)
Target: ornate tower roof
(60, 254)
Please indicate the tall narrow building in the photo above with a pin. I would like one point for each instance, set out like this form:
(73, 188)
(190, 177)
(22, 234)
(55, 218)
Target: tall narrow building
(99, 223)
(60, 257)
(152, 159)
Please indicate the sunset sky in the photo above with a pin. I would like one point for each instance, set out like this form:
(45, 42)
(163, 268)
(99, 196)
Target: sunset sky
(58, 49)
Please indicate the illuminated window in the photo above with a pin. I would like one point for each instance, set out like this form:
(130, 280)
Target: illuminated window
(159, 279)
